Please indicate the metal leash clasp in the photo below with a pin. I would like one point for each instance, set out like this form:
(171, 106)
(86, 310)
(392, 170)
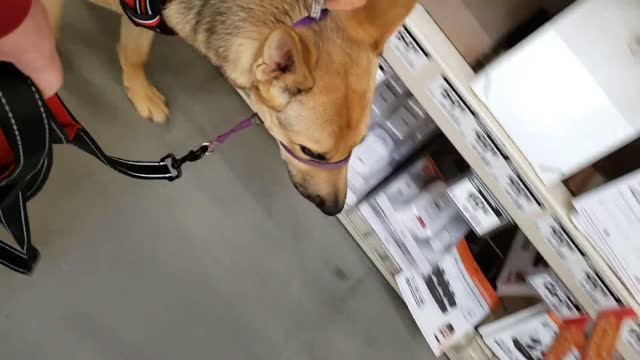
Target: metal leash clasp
(192, 156)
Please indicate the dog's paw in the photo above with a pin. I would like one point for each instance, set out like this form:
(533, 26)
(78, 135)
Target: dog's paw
(148, 101)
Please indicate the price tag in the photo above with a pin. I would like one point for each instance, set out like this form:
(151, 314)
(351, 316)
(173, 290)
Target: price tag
(316, 9)
(490, 151)
(559, 239)
(477, 204)
(555, 295)
(630, 336)
(518, 191)
(451, 103)
(408, 49)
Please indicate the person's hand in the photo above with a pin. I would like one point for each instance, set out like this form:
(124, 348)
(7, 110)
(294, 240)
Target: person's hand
(31, 48)
(344, 4)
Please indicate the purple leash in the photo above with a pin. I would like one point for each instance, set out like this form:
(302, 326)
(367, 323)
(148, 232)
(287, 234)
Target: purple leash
(213, 144)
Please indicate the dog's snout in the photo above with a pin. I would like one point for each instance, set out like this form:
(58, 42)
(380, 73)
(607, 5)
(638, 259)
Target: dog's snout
(330, 202)
(330, 208)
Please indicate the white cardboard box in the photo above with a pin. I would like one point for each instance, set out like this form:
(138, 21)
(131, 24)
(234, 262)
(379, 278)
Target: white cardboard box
(610, 218)
(568, 94)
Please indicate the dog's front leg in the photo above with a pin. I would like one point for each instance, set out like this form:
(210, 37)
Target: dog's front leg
(133, 51)
(54, 11)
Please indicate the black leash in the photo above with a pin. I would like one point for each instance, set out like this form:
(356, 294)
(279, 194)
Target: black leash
(30, 126)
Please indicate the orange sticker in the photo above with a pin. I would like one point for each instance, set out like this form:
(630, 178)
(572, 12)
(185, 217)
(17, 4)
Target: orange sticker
(476, 275)
(602, 344)
(570, 338)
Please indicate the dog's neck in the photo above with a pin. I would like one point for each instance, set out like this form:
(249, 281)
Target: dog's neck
(230, 32)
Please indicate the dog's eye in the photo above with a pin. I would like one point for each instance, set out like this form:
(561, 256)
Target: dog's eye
(305, 150)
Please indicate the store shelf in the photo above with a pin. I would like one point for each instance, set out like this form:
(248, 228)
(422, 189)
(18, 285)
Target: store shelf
(371, 244)
(446, 61)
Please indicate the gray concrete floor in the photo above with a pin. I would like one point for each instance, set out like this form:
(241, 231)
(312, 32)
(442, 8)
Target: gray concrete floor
(228, 263)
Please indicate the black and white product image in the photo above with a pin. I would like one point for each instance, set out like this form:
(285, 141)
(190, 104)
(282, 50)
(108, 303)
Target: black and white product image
(389, 94)
(478, 205)
(412, 213)
(450, 301)
(522, 261)
(525, 335)
(557, 297)
(413, 216)
(391, 140)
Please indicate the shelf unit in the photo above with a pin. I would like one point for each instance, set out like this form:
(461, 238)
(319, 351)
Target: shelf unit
(555, 202)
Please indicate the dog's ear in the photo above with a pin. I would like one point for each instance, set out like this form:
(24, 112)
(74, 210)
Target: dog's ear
(283, 70)
(374, 22)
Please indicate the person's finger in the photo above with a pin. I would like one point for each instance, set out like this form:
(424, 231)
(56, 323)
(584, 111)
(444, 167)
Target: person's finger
(45, 70)
(31, 47)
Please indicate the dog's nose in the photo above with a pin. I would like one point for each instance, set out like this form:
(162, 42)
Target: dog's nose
(330, 208)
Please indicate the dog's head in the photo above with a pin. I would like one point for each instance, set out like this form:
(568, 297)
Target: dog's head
(314, 87)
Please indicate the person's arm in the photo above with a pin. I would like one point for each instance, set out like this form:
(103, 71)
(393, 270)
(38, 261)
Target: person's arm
(27, 41)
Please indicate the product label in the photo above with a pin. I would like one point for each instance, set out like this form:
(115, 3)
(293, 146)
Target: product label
(555, 295)
(630, 336)
(452, 104)
(409, 49)
(559, 239)
(478, 205)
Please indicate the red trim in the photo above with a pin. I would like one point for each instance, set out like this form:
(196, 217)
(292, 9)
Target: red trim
(7, 159)
(142, 3)
(149, 24)
(130, 3)
(62, 116)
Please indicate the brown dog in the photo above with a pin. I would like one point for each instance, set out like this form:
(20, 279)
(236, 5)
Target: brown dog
(312, 85)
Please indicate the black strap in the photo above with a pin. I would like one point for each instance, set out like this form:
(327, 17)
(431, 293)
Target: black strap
(30, 128)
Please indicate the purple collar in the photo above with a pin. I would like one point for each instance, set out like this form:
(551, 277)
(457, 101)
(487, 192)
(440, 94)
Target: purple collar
(309, 20)
(317, 164)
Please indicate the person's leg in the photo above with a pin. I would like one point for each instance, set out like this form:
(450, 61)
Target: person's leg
(133, 51)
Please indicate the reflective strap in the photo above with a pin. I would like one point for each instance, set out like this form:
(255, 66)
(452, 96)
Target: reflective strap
(22, 257)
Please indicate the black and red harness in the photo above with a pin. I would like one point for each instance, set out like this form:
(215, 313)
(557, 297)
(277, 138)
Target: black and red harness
(147, 14)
